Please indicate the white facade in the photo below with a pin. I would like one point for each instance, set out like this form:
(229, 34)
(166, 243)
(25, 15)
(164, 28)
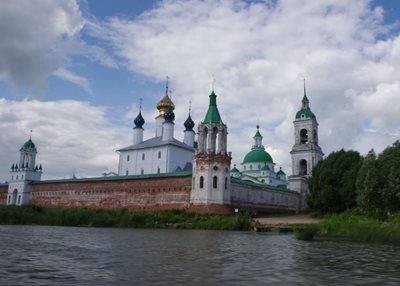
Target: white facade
(22, 174)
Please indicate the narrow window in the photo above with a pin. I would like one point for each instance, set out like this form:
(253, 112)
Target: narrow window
(244, 168)
(251, 167)
(159, 154)
(127, 172)
(158, 170)
(127, 158)
(19, 199)
(143, 156)
(226, 183)
(12, 178)
(259, 167)
(201, 182)
(215, 181)
(9, 199)
(22, 177)
(17, 177)
(142, 172)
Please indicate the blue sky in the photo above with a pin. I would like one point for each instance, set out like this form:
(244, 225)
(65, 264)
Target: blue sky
(73, 72)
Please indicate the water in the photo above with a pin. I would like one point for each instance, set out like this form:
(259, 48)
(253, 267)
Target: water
(40, 255)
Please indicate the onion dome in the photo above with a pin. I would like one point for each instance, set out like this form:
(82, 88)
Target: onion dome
(28, 144)
(165, 103)
(235, 170)
(265, 168)
(169, 116)
(139, 120)
(189, 124)
(280, 172)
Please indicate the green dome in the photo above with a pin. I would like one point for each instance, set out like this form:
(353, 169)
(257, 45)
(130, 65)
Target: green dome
(306, 112)
(29, 145)
(257, 155)
(280, 172)
(235, 170)
(265, 168)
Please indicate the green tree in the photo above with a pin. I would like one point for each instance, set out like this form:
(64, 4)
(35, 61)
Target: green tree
(333, 184)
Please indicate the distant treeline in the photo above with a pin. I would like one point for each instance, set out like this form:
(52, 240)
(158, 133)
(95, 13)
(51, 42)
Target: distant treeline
(120, 218)
(346, 180)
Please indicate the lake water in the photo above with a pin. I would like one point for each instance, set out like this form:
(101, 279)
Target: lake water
(41, 255)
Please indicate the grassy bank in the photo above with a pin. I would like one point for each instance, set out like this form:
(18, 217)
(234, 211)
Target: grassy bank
(361, 228)
(29, 215)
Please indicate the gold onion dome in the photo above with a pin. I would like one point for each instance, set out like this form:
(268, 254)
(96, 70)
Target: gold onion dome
(165, 103)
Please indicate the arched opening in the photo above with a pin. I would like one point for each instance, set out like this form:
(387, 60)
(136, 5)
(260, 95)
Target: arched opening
(201, 182)
(303, 136)
(14, 197)
(303, 167)
(215, 182)
(205, 139)
(226, 183)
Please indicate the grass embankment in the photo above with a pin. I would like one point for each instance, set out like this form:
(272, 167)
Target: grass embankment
(355, 227)
(33, 215)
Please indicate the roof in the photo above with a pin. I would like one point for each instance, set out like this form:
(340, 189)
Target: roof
(212, 115)
(260, 185)
(306, 112)
(265, 168)
(157, 142)
(280, 172)
(114, 178)
(29, 144)
(257, 155)
(235, 170)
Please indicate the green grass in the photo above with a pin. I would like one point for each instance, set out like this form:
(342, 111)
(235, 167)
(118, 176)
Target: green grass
(361, 228)
(35, 215)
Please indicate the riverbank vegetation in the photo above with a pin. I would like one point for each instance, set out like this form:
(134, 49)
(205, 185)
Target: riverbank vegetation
(34, 215)
(358, 196)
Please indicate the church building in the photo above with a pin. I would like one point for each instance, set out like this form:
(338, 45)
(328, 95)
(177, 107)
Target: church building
(162, 153)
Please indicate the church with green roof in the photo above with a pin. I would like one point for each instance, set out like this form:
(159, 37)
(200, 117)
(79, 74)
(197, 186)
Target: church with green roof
(258, 166)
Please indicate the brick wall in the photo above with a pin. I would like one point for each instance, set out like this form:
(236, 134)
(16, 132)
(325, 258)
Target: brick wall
(134, 194)
(3, 194)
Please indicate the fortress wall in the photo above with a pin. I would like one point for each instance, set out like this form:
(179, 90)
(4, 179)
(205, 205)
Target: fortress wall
(263, 199)
(134, 194)
(3, 194)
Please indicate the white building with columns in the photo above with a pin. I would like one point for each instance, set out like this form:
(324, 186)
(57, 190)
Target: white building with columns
(162, 153)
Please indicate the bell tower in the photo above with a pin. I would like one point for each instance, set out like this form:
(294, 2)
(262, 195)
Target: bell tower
(306, 152)
(22, 174)
(211, 165)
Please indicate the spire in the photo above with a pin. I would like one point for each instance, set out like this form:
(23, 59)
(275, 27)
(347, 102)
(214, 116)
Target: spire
(212, 115)
(166, 86)
(305, 102)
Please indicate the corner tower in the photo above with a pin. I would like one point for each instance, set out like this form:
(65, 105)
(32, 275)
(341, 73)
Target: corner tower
(22, 174)
(211, 165)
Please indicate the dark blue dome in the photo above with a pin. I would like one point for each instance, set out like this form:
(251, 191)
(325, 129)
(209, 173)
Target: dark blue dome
(169, 115)
(189, 124)
(139, 121)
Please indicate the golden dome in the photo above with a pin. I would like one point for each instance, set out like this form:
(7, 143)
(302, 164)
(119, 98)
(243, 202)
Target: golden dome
(164, 104)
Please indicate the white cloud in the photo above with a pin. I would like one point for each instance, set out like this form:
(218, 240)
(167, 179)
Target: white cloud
(68, 134)
(257, 52)
(74, 78)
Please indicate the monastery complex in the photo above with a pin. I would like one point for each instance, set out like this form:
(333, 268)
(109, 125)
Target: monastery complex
(194, 174)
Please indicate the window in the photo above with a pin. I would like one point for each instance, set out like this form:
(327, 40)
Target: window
(226, 183)
(142, 172)
(158, 170)
(303, 167)
(201, 182)
(251, 167)
(143, 156)
(244, 168)
(22, 177)
(19, 199)
(159, 154)
(303, 136)
(127, 158)
(17, 177)
(259, 167)
(12, 178)
(127, 172)
(9, 199)
(215, 182)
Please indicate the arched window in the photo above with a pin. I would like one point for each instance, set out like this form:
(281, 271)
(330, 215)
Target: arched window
(303, 167)
(127, 158)
(215, 182)
(143, 156)
(251, 167)
(127, 172)
(259, 167)
(201, 182)
(142, 172)
(158, 170)
(303, 136)
(226, 183)
(159, 154)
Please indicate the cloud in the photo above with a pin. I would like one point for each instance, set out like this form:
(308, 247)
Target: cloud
(258, 53)
(74, 78)
(39, 38)
(68, 134)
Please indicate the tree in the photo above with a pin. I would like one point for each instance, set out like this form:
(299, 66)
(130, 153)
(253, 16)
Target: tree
(333, 184)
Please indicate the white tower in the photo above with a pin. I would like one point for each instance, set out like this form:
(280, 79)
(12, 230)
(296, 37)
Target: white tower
(168, 126)
(211, 166)
(138, 129)
(306, 152)
(22, 174)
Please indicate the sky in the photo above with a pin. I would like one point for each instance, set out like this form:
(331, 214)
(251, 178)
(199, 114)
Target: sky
(74, 71)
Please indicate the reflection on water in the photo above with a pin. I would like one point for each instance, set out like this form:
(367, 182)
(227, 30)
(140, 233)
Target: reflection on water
(40, 255)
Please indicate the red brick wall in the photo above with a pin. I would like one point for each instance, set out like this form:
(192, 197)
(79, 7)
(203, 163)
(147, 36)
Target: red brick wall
(134, 194)
(3, 194)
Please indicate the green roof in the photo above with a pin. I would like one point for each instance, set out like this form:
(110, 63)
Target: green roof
(258, 134)
(235, 170)
(212, 115)
(257, 155)
(280, 172)
(29, 144)
(307, 113)
(265, 168)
